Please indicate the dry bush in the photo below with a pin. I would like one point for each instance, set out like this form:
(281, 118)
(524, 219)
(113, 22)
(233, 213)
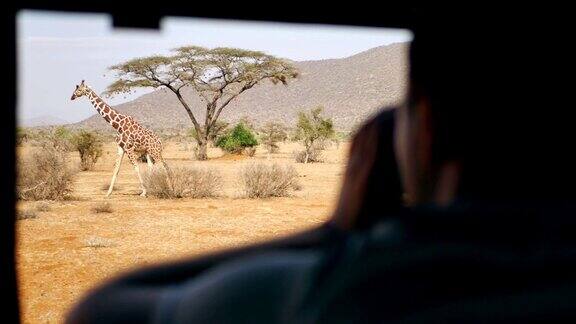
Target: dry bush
(183, 182)
(314, 156)
(102, 207)
(188, 146)
(43, 206)
(26, 214)
(321, 145)
(274, 148)
(297, 186)
(75, 198)
(45, 175)
(35, 137)
(250, 151)
(264, 180)
(106, 185)
(60, 137)
(22, 136)
(98, 242)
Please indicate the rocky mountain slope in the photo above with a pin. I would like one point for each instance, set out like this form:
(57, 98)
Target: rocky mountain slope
(350, 90)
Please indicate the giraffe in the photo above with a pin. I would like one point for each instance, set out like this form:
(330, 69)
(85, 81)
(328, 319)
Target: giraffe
(132, 138)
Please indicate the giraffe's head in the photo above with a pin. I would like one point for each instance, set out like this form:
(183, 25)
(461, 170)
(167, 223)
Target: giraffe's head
(81, 90)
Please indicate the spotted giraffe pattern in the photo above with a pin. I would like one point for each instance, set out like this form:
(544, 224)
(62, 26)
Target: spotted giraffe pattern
(132, 138)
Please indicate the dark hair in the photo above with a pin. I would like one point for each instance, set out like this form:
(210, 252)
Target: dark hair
(371, 189)
(480, 98)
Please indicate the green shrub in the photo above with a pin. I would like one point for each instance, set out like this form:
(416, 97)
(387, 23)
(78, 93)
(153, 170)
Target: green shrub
(271, 134)
(89, 146)
(61, 138)
(22, 136)
(312, 129)
(247, 121)
(237, 140)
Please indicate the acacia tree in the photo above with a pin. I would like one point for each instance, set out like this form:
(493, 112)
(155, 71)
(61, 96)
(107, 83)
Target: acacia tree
(218, 129)
(272, 133)
(312, 128)
(218, 75)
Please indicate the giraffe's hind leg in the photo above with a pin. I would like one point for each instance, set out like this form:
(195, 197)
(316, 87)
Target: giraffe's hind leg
(134, 160)
(157, 156)
(149, 161)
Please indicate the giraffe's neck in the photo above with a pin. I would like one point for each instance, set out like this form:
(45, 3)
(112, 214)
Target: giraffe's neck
(109, 114)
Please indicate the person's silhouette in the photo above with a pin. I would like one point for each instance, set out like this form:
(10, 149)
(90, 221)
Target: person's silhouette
(486, 234)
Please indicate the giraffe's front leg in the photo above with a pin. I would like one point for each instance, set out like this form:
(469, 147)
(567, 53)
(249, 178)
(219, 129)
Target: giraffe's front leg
(134, 160)
(116, 170)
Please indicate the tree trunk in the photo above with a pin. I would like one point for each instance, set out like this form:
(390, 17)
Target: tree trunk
(308, 151)
(202, 153)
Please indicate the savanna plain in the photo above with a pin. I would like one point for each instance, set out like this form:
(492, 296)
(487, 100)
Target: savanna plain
(65, 248)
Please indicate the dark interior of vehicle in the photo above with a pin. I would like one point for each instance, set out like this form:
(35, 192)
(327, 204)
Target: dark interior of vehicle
(502, 251)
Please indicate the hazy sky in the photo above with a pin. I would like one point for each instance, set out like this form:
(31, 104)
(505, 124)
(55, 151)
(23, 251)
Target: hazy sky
(56, 51)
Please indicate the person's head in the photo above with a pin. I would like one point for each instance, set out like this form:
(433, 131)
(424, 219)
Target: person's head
(467, 130)
(371, 187)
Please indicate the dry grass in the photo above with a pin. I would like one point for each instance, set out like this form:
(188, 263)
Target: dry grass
(98, 242)
(314, 156)
(75, 198)
(45, 175)
(264, 180)
(102, 207)
(56, 269)
(26, 214)
(183, 182)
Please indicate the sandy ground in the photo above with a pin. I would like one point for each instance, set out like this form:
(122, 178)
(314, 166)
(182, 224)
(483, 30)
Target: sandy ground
(69, 249)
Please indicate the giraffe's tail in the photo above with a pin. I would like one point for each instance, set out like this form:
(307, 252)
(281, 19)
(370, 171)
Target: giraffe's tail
(169, 173)
(167, 168)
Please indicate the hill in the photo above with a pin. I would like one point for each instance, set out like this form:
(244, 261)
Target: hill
(350, 89)
(42, 121)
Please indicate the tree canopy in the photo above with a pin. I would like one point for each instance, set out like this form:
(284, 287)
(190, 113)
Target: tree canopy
(311, 128)
(218, 75)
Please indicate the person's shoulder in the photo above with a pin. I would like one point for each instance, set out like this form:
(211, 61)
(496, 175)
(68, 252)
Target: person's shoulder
(259, 287)
(237, 282)
(384, 115)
